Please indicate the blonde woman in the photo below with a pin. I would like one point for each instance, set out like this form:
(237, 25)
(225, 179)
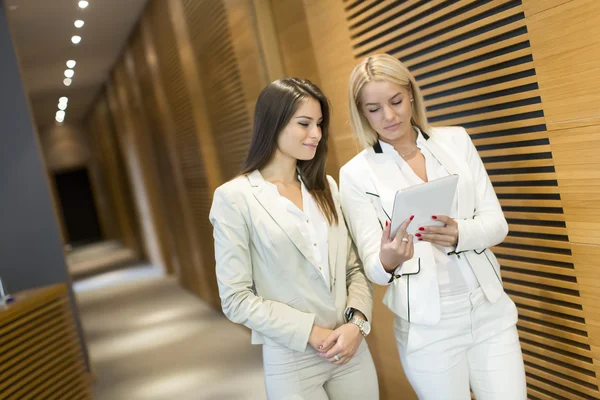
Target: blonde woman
(455, 327)
(285, 263)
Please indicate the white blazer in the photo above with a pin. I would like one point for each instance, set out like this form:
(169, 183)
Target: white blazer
(368, 184)
(265, 270)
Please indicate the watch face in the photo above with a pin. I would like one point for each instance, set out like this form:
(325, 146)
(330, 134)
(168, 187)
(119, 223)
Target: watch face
(367, 327)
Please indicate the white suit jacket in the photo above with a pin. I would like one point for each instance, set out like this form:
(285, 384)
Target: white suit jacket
(368, 184)
(265, 270)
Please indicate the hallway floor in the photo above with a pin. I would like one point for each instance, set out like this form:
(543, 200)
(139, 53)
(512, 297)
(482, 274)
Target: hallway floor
(149, 339)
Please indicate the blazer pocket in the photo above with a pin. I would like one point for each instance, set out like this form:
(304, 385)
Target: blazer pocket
(491, 259)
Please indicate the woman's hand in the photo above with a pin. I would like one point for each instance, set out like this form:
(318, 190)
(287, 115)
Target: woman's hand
(446, 235)
(395, 252)
(318, 336)
(343, 343)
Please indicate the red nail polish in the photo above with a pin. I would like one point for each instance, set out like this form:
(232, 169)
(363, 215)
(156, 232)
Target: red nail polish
(386, 223)
(421, 229)
(411, 217)
(434, 217)
(418, 235)
(420, 239)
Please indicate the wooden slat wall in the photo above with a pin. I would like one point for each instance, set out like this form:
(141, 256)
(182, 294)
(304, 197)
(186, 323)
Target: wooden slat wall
(475, 64)
(41, 355)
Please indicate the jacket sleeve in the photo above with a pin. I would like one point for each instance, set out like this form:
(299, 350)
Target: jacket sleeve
(487, 227)
(360, 292)
(283, 324)
(364, 226)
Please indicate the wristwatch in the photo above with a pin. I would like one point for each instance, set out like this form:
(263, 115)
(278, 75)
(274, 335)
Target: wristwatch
(364, 326)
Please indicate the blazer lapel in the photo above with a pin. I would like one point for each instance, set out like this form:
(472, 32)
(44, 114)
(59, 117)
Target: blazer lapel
(333, 239)
(272, 206)
(465, 201)
(387, 177)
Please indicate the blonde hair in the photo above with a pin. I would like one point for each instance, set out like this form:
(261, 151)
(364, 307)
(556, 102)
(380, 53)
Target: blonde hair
(382, 67)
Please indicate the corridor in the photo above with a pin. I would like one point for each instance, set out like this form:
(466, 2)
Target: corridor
(149, 339)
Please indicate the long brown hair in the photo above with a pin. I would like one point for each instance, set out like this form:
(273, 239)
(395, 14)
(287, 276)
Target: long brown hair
(275, 107)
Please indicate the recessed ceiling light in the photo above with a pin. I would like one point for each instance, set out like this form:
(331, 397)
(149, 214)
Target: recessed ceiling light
(67, 82)
(63, 100)
(83, 4)
(71, 64)
(79, 23)
(76, 39)
(69, 73)
(62, 106)
(60, 113)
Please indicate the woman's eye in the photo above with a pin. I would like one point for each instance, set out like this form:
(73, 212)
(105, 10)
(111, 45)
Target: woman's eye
(304, 124)
(375, 110)
(397, 102)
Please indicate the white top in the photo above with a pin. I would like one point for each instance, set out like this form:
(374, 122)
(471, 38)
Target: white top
(455, 275)
(313, 226)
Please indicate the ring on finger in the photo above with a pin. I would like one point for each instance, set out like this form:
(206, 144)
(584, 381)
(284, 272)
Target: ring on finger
(405, 239)
(336, 358)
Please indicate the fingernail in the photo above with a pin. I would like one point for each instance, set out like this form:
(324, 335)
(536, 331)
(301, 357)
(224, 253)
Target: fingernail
(420, 239)
(417, 234)
(411, 217)
(386, 223)
(320, 347)
(434, 217)
(421, 229)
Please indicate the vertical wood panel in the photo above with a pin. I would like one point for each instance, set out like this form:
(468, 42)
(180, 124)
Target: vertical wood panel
(183, 116)
(188, 257)
(565, 38)
(106, 150)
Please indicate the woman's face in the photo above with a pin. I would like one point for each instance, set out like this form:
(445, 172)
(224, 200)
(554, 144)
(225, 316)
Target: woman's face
(300, 137)
(387, 106)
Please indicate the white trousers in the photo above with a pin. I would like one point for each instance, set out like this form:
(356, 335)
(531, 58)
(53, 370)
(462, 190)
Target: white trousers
(474, 346)
(292, 375)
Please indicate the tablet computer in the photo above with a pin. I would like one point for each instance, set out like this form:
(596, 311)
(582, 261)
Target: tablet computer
(423, 201)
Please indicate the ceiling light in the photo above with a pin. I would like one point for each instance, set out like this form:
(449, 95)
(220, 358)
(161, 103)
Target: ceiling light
(71, 64)
(67, 82)
(63, 100)
(62, 106)
(69, 73)
(59, 119)
(83, 4)
(79, 23)
(76, 39)
(60, 114)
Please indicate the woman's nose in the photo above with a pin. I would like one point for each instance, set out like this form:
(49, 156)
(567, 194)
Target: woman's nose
(388, 113)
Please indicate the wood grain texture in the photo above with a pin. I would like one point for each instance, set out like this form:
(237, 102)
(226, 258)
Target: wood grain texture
(41, 352)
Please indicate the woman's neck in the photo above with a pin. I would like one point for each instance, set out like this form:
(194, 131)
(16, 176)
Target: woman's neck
(281, 169)
(406, 142)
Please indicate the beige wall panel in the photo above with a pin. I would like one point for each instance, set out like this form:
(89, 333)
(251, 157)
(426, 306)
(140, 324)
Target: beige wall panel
(298, 56)
(295, 43)
(330, 38)
(565, 41)
(180, 220)
(245, 39)
(182, 14)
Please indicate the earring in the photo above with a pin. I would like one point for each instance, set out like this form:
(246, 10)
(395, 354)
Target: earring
(411, 100)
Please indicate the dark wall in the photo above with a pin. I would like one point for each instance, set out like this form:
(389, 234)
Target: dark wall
(31, 252)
